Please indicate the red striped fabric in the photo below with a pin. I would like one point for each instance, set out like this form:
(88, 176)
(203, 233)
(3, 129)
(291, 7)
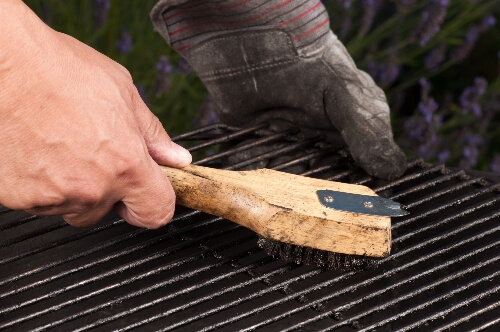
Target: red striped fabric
(242, 21)
(293, 19)
(197, 20)
(311, 31)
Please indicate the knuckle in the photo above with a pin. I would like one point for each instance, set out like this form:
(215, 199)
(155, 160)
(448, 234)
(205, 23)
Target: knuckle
(128, 165)
(160, 218)
(89, 195)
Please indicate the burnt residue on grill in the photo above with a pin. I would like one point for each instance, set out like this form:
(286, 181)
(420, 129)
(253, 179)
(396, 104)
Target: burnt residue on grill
(203, 273)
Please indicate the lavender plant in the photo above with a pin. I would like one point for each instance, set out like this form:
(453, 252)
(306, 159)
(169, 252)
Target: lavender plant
(437, 60)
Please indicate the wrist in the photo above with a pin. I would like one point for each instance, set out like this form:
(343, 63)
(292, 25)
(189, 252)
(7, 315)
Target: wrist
(21, 32)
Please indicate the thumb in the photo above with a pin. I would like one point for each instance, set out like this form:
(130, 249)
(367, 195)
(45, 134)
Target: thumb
(160, 146)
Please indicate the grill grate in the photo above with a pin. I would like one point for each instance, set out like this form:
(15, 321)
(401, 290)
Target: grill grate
(202, 273)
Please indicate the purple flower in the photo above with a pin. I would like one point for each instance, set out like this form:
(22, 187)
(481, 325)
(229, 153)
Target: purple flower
(469, 157)
(443, 156)
(163, 66)
(470, 97)
(184, 67)
(345, 3)
(473, 140)
(427, 105)
(124, 43)
(435, 57)
(471, 151)
(427, 108)
(101, 8)
(463, 51)
(431, 21)
(163, 70)
(487, 23)
(405, 5)
(206, 115)
(425, 88)
(495, 164)
(386, 73)
(423, 128)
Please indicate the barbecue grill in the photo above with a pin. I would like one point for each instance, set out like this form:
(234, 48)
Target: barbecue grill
(203, 273)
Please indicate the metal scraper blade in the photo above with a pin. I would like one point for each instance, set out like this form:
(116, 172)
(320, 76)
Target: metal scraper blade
(362, 204)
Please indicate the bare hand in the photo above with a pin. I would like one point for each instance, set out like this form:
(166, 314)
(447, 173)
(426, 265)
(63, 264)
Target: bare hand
(76, 138)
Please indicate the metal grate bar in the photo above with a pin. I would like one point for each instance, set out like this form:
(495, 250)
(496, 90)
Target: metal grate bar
(229, 137)
(245, 147)
(441, 222)
(487, 325)
(397, 255)
(13, 235)
(416, 292)
(466, 318)
(113, 272)
(352, 288)
(197, 134)
(411, 177)
(62, 261)
(118, 284)
(428, 184)
(340, 176)
(348, 289)
(150, 289)
(450, 204)
(22, 253)
(307, 157)
(233, 303)
(198, 272)
(16, 222)
(428, 272)
(274, 153)
(317, 170)
(443, 192)
(190, 304)
(452, 292)
(106, 258)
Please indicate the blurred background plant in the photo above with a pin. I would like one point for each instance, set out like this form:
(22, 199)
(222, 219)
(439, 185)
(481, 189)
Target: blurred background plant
(437, 60)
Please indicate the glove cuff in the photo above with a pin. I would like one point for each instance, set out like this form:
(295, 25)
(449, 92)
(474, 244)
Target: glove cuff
(185, 23)
(157, 17)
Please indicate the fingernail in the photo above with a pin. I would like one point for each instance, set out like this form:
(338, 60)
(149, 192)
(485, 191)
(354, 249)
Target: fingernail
(185, 157)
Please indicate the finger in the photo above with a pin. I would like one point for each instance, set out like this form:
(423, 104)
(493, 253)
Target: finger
(87, 218)
(160, 146)
(151, 202)
(82, 216)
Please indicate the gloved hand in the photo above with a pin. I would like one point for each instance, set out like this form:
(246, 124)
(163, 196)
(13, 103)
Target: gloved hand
(278, 61)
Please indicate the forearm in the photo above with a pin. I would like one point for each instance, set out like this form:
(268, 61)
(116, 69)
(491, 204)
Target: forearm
(21, 30)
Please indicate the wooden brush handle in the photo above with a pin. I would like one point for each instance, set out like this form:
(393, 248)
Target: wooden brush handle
(283, 207)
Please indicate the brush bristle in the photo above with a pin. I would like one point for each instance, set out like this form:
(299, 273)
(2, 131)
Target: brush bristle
(319, 258)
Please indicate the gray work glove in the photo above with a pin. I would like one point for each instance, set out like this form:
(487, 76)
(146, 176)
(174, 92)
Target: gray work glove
(278, 61)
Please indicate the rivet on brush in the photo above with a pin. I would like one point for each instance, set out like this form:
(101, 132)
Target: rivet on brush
(368, 204)
(328, 199)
